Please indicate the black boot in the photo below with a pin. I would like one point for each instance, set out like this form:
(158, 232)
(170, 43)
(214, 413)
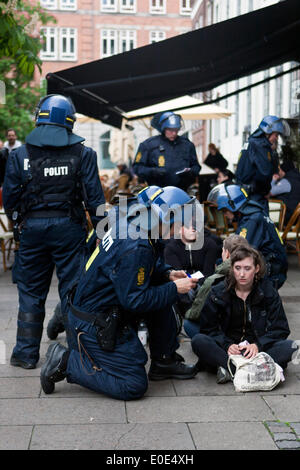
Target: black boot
(14, 361)
(55, 325)
(171, 368)
(54, 369)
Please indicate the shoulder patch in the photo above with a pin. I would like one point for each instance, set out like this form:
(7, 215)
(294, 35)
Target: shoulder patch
(141, 276)
(243, 232)
(138, 157)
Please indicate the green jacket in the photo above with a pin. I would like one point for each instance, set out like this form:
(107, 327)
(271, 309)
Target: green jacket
(194, 312)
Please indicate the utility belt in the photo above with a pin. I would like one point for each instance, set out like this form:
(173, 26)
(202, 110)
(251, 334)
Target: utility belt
(46, 213)
(107, 324)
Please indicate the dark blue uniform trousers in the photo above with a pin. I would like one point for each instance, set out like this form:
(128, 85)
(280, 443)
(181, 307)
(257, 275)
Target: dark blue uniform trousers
(45, 243)
(120, 374)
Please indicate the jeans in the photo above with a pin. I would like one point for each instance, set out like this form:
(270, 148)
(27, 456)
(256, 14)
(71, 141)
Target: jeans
(212, 355)
(191, 328)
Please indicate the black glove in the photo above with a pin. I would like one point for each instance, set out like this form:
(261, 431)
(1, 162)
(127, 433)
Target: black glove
(158, 172)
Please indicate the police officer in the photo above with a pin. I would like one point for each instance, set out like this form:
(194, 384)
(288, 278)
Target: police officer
(258, 161)
(46, 182)
(126, 279)
(167, 159)
(255, 225)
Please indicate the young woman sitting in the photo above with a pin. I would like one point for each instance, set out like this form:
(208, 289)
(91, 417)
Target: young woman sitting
(244, 307)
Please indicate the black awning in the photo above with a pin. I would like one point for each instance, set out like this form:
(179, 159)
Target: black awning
(193, 62)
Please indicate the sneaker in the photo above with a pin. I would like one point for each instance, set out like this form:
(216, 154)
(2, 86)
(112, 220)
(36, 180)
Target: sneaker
(54, 369)
(14, 361)
(171, 368)
(223, 376)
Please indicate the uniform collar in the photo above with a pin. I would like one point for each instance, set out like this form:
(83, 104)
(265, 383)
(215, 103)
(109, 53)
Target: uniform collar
(53, 136)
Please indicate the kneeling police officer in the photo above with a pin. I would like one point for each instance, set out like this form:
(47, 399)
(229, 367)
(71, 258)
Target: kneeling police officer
(46, 182)
(126, 279)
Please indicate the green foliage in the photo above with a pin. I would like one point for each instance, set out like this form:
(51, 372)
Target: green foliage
(20, 44)
(19, 37)
(21, 100)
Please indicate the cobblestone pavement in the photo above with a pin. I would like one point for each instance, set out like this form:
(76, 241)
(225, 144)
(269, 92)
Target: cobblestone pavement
(176, 415)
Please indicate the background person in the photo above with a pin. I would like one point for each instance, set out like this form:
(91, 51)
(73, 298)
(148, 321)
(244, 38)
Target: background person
(167, 159)
(286, 187)
(11, 143)
(258, 160)
(245, 307)
(215, 159)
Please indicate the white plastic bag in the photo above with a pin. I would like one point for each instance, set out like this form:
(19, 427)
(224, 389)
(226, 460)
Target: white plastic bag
(258, 373)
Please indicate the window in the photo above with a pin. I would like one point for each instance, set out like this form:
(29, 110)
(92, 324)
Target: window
(250, 6)
(278, 92)
(50, 49)
(295, 91)
(266, 104)
(59, 4)
(108, 5)
(249, 104)
(114, 41)
(156, 36)
(185, 7)
(68, 4)
(158, 6)
(127, 6)
(238, 7)
(127, 40)
(49, 4)
(59, 44)
(68, 44)
(236, 110)
(105, 161)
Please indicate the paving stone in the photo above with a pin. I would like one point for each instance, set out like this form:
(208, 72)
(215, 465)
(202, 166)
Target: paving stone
(22, 387)
(157, 436)
(231, 435)
(285, 408)
(296, 427)
(15, 437)
(288, 444)
(198, 409)
(61, 411)
(284, 436)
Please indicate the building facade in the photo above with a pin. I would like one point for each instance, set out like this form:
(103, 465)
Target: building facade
(87, 30)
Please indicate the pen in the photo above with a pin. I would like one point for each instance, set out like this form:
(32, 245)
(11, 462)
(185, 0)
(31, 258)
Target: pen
(188, 275)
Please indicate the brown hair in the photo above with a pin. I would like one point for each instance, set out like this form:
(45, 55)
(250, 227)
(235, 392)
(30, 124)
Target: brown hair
(233, 242)
(246, 252)
(213, 147)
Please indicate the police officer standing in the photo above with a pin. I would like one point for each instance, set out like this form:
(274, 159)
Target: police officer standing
(46, 182)
(255, 226)
(126, 279)
(167, 159)
(258, 161)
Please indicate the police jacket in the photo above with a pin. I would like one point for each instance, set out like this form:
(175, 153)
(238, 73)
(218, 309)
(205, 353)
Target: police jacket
(53, 179)
(260, 231)
(292, 198)
(125, 272)
(262, 318)
(257, 164)
(158, 160)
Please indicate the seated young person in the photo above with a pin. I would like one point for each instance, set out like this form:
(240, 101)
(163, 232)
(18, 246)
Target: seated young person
(244, 307)
(192, 316)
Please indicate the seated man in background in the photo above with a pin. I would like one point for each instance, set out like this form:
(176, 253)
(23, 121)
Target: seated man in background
(286, 187)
